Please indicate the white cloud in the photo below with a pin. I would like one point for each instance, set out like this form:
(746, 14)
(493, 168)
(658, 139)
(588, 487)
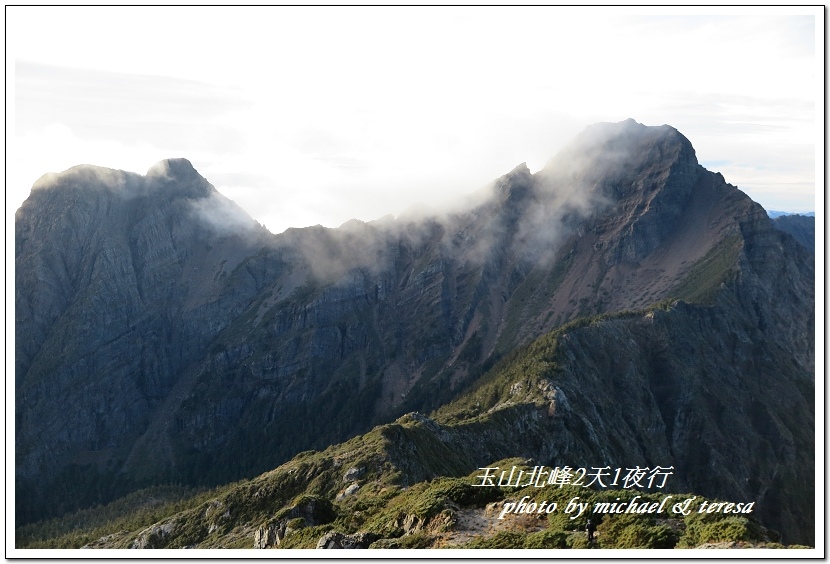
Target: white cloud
(316, 115)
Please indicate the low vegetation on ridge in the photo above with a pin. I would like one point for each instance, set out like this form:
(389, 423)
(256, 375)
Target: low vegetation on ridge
(412, 483)
(445, 512)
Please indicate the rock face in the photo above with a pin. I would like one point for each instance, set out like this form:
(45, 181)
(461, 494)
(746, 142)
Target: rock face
(161, 335)
(353, 474)
(269, 536)
(339, 540)
(111, 309)
(153, 536)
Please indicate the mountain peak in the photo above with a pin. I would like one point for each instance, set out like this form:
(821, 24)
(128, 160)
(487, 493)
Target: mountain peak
(178, 175)
(629, 131)
(85, 174)
(519, 175)
(604, 149)
(173, 168)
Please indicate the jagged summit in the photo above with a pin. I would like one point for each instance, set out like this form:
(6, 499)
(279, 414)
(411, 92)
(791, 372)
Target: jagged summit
(173, 169)
(87, 175)
(608, 147)
(176, 175)
(628, 126)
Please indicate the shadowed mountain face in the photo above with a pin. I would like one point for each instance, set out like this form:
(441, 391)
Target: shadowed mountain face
(801, 227)
(162, 335)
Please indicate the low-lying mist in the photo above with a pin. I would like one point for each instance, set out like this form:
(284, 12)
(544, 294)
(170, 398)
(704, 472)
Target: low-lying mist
(523, 214)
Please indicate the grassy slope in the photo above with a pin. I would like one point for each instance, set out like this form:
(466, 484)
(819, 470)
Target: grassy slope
(426, 514)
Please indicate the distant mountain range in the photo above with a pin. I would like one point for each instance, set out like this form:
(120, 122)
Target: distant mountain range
(774, 214)
(623, 306)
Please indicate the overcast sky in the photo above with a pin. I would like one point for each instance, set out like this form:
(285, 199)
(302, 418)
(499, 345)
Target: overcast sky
(310, 116)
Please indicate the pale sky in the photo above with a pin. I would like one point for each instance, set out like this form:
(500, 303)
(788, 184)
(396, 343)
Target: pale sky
(309, 116)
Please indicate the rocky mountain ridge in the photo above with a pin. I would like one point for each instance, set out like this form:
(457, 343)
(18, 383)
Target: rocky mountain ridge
(194, 346)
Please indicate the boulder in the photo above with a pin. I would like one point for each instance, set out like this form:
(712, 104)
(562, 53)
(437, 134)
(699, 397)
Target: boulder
(333, 539)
